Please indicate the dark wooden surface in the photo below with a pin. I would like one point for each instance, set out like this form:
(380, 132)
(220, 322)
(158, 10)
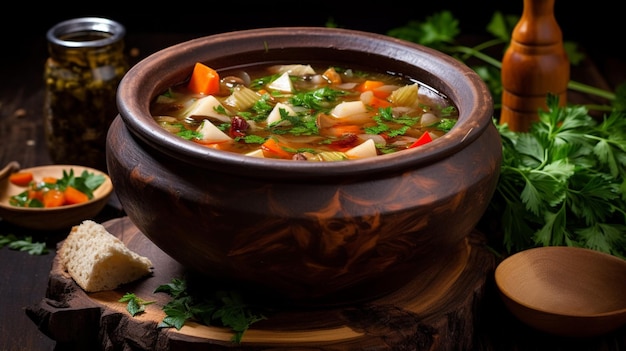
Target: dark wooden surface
(438, 315)
(24, 278)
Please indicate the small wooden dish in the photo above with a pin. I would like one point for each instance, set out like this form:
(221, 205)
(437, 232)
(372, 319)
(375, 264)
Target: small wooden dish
(566, 291)
(52, 218)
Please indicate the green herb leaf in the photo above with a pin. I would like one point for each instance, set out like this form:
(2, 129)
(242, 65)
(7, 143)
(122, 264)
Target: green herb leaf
(501, 26)
(87, 182)
(26, 244)
(135, 305)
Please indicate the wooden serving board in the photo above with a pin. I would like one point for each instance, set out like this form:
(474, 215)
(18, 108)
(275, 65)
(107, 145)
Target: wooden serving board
(436, 312)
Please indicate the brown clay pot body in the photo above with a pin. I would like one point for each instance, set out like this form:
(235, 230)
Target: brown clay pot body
(305, 231)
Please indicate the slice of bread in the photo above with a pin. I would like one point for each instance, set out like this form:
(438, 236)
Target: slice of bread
(99, 261)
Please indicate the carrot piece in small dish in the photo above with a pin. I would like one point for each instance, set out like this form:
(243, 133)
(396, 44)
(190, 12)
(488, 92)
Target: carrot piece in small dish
(21, 178)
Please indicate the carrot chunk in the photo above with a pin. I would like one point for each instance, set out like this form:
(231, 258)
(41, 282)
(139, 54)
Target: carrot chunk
(332, 76)
(35, 194)
(374, 86)
(272, 149)
(377, 102)
(371, 85)
(342, 129)
(21, 178)
(49, 180)
(74, 196)
(204, 80)
(53, 198)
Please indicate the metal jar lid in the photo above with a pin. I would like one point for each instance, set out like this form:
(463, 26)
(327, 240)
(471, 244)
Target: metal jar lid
(71, 33)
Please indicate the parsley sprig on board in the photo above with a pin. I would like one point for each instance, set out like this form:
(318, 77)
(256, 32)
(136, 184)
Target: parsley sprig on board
(134, 304)
(221, 308)
(564, 182)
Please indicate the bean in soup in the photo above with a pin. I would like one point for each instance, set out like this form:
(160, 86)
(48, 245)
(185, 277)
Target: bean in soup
(304, 112)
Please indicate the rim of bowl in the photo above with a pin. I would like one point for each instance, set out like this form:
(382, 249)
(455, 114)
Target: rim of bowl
(169, 66)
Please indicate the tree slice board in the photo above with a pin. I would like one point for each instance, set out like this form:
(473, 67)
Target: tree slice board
(435, 312)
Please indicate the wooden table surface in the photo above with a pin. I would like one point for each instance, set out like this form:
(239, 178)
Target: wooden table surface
(24, 278)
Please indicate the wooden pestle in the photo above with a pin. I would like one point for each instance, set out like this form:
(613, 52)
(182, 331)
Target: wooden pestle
(534, 64)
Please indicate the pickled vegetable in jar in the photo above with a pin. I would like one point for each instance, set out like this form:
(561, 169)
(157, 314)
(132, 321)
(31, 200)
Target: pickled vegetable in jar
(85, 65)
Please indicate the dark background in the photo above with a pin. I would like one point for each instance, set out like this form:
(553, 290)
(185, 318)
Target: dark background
(597, 26)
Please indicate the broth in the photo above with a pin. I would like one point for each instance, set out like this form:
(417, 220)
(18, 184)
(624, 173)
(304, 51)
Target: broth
(307, 112)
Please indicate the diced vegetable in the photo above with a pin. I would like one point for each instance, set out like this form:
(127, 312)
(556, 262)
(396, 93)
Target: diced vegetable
(35, 194)
(405, 96)
(275, 115)
(256, 153)
(282, 83)
(211, 134)
(208, 106)
(242, 98)
(377, 103)
(423, 139)
(368, 98)
(273, 149)
(49, 180)
(429, 119)
(371, 85)
(75, 196)
(204, 80)
(54, 198)
(331, 156)
(21, 178)
(296, 70)
(365, 149)
(348, 108)
(339, 130)
(332, 76)
(376, 87)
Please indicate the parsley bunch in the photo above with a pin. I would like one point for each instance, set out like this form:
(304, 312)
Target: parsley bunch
(563, 183)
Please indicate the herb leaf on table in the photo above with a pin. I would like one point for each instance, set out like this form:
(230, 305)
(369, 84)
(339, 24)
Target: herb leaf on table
(23, 244)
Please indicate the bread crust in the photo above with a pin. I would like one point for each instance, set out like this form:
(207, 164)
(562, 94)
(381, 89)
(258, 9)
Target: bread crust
(99, 261)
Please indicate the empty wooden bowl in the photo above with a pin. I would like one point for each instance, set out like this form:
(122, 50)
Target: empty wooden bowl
(565, 291)
(53, 218)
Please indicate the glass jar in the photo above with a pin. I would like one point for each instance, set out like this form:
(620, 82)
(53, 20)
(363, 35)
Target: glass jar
(85, 64)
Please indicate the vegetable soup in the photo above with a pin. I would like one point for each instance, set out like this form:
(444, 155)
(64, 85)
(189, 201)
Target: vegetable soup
(306, 112)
